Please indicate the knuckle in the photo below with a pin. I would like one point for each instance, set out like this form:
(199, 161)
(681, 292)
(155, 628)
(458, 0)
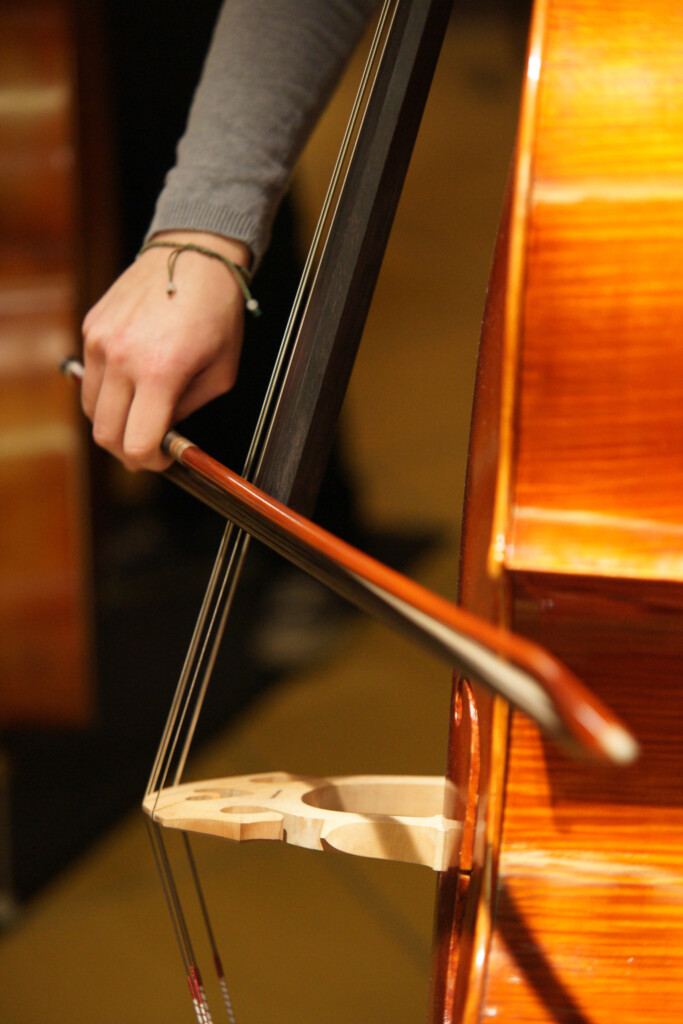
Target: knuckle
(89, 320)
(163, 367)
(103, 437)
(139, 451)
(117, 351)
(108, 348)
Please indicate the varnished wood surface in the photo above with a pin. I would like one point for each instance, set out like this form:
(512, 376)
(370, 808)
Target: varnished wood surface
(598, 483)
(588, 899)
(465, 896)
(590, 919)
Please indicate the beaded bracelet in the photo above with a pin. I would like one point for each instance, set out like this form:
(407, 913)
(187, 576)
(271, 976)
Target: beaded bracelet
(241, 274)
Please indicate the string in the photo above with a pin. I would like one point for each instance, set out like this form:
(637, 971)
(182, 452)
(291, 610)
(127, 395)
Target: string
(213, 615)
(220, 973)
(179, 923)
(209, 614)
(222, 582)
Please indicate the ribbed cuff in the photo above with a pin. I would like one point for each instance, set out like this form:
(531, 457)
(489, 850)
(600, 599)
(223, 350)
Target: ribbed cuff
(192, 215)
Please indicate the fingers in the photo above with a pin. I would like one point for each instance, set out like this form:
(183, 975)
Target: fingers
(126, 390)
(91, 385)
(150, 415)
(150, 360)
(131, 422)
(110, 412)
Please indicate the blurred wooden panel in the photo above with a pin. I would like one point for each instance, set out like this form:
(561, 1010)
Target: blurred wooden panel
(44, 619)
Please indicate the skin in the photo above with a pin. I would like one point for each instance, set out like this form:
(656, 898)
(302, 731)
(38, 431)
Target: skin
(151, 359)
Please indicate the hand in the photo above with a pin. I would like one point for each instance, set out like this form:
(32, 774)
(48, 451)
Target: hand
(151, 359)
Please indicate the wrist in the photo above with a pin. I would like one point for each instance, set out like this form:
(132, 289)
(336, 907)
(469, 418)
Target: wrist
(231, 248)
(195, 242)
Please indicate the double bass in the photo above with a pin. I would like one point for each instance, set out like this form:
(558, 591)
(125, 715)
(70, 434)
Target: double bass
(560, 894)
(574, 908)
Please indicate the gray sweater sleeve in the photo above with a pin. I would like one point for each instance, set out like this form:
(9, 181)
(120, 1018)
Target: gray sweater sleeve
(270, 69)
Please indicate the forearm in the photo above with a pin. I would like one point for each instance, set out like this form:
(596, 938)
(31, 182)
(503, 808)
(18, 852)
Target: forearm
(152, 354)
(270, 69)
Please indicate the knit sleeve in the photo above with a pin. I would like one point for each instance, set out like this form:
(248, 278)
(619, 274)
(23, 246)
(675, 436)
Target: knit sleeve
(270, 69)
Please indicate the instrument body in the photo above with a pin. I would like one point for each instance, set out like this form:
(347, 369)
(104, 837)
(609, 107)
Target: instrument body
(574, 535)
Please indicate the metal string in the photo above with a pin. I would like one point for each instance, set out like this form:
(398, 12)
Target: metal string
(223, 581)
(213, 614)
(218, 965)
(179, 922)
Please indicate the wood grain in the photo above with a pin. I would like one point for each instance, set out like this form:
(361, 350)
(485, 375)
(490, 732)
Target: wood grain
(598, 432)
(590, 916)
(45, 626)
(574, 909)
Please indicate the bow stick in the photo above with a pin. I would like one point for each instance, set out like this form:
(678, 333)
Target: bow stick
(513, 667)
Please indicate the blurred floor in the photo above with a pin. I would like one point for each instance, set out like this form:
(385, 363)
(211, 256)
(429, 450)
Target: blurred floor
(306, 936)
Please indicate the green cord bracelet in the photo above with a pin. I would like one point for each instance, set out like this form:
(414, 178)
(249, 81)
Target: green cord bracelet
(241, 274)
